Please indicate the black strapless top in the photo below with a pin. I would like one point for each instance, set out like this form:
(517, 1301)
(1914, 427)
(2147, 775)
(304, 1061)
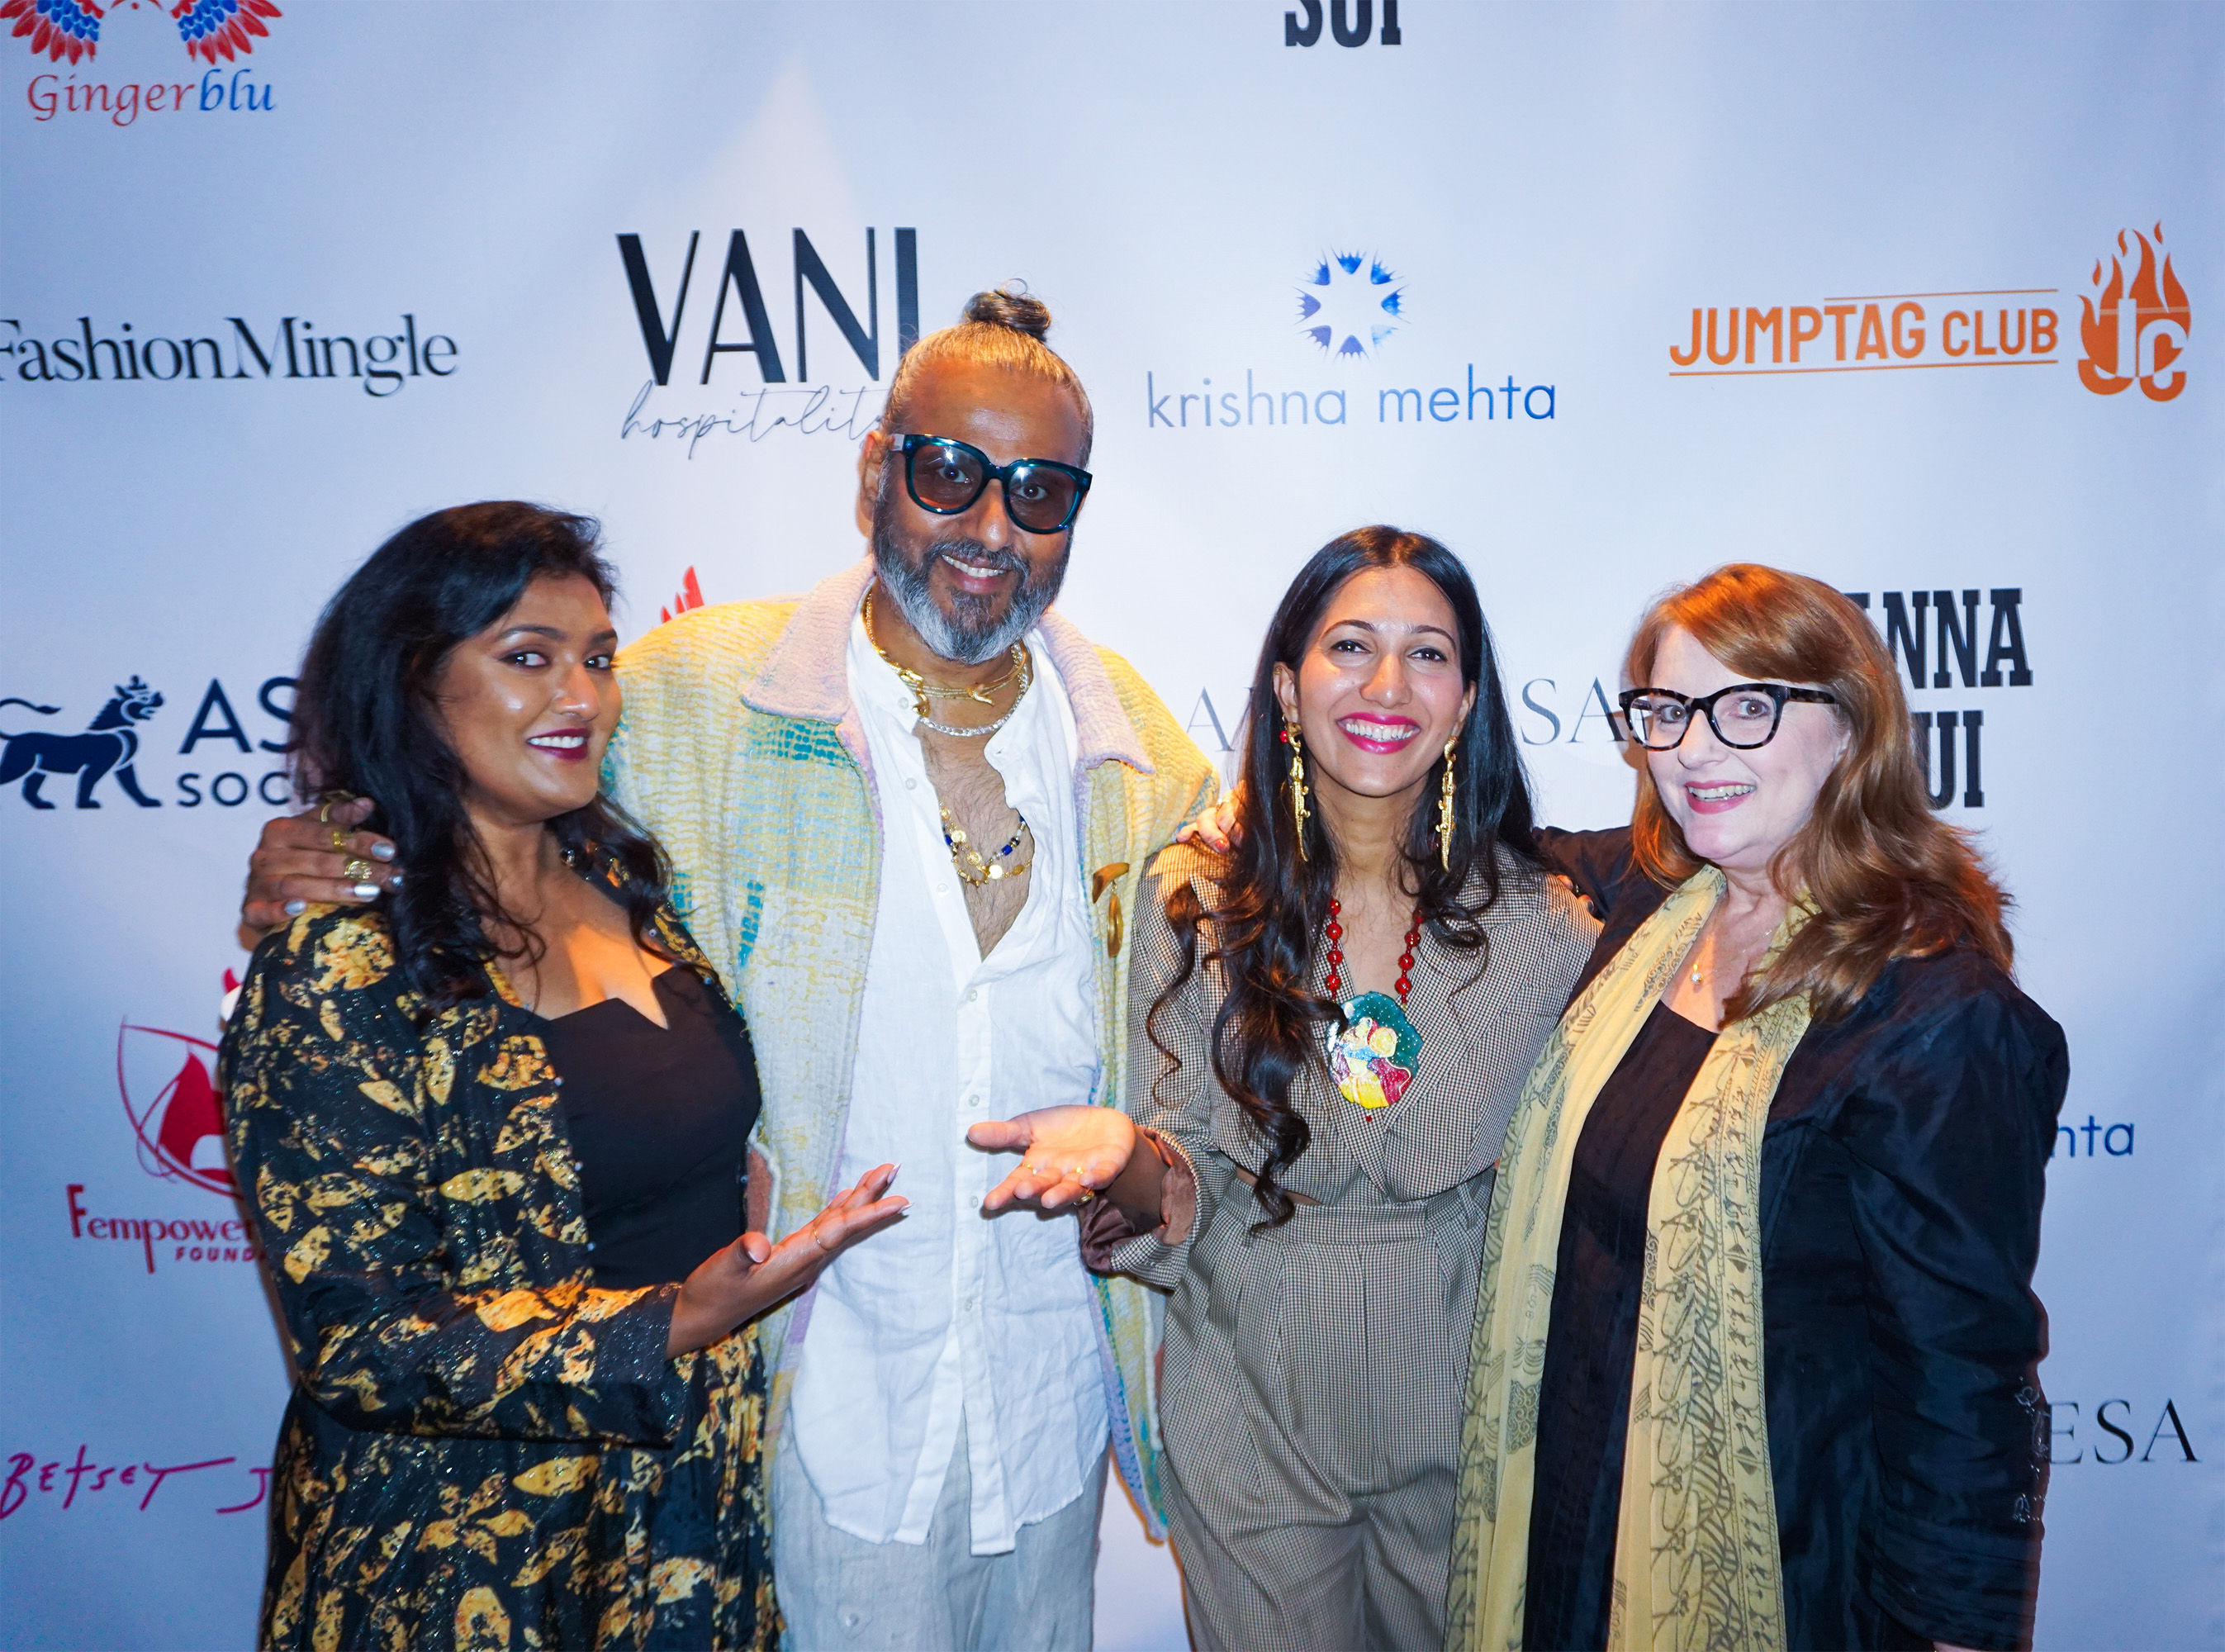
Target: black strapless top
(660, 1118)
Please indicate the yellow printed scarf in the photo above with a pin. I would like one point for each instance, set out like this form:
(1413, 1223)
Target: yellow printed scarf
(1697, 1562)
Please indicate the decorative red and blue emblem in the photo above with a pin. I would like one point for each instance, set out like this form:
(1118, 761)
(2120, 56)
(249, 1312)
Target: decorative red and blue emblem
(209, 27)
(71, 28)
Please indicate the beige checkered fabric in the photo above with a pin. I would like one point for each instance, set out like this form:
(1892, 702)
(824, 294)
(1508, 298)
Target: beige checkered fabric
(1316, 1374)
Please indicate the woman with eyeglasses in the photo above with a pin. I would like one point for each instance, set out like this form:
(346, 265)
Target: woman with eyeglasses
(1755, 1357)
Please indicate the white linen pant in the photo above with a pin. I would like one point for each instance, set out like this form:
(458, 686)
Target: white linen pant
(839, 1593)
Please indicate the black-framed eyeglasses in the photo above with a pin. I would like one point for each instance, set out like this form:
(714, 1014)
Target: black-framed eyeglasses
(1743, 715)
(946, 476)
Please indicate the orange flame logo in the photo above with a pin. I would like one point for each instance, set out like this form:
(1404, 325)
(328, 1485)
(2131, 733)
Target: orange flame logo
(2135, 331)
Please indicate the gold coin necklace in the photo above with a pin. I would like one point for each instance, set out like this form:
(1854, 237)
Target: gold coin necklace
(978, 869)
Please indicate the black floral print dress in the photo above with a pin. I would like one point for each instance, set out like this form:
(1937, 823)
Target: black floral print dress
(484, 1449)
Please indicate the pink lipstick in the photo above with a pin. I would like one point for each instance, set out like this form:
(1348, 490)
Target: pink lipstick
(1380, 734)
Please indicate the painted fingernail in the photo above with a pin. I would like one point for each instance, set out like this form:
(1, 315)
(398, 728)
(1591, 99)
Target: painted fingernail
(364, 891)
(393, 882)
(295, 908)
(382, 851)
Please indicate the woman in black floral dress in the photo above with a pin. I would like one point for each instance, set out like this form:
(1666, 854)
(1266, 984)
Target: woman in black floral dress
(522, 1418)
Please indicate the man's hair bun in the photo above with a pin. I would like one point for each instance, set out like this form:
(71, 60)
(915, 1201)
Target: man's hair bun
(1002, 329)
(1011, 306)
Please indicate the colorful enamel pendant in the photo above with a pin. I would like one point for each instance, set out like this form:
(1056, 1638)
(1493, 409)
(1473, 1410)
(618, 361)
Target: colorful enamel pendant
(1374, 1056)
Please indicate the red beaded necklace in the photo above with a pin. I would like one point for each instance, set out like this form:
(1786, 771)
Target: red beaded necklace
(1334, 932)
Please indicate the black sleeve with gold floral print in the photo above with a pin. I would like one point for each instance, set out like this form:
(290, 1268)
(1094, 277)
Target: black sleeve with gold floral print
(484, 1446)
(414, 1190)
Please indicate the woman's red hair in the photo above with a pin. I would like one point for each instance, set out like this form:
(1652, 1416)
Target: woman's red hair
(1888, 877)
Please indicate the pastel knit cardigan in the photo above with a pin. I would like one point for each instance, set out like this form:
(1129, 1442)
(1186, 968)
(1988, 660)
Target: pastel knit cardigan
(740, 749)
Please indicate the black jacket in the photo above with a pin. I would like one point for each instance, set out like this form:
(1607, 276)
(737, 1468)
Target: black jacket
(1902, 1171)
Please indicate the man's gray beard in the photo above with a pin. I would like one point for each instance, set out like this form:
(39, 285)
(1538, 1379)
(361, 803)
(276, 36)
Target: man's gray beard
(973, 635)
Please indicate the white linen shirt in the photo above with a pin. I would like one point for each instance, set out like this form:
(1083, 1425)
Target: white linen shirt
(950, 1314)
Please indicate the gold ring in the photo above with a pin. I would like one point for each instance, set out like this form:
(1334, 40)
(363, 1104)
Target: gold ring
(1086, 1196)
(358, 869)
(332, 801)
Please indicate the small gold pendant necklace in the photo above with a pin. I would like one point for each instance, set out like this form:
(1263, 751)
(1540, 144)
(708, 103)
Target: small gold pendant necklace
(923, 692)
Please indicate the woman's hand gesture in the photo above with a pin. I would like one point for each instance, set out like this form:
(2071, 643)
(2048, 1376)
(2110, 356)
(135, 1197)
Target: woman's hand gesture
(1068, 1155)
(1214, 828)
(752, 1275)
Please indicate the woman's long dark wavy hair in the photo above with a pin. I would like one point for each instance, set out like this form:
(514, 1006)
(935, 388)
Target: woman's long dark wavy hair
(1273, 900)
(367, 722)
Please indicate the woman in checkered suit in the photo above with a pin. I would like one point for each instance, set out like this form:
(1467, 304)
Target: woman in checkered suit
(1341, 1012)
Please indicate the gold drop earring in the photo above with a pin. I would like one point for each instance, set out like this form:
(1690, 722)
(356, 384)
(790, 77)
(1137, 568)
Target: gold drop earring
(1292, 739)
(1445, 809)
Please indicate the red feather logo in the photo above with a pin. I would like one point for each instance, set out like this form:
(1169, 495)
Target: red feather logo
(71, 28)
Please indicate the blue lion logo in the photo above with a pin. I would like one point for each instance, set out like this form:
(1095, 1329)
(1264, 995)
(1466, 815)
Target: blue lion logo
(107, 745)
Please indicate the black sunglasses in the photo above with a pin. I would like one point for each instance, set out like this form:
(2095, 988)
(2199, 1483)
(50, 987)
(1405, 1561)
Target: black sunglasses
(1041, 495)
(1743, 715)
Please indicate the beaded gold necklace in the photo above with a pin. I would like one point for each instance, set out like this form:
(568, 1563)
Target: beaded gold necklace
(984, 869)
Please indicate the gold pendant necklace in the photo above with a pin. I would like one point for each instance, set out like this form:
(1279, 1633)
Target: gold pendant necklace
(923, 692)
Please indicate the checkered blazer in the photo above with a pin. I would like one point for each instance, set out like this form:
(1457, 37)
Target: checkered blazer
(1481, 1031)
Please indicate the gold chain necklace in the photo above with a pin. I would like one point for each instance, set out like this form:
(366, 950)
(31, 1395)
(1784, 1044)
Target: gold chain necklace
(923, 692)
(985, 868)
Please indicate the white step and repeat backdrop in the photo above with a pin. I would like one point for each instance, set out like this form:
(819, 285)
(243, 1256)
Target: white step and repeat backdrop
(1540, 281)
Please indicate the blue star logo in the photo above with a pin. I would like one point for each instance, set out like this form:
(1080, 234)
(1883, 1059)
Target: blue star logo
(1350, 304)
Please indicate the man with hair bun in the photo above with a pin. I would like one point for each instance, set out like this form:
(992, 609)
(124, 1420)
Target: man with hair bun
(906, 815)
